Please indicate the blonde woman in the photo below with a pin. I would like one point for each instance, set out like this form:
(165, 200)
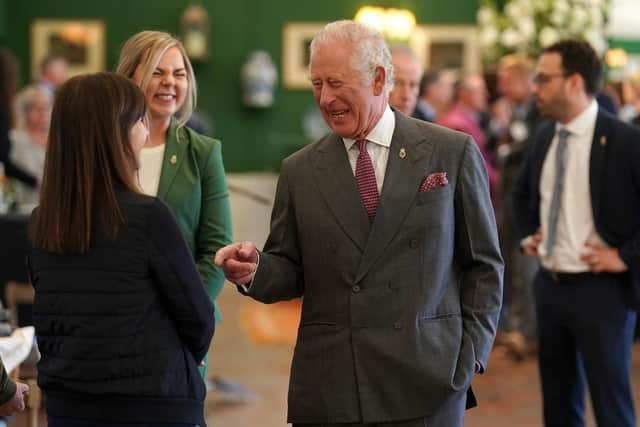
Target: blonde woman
(178, 165)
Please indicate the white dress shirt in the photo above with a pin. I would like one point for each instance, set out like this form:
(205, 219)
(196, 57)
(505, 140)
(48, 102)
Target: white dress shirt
(378, 147)
(575, 226)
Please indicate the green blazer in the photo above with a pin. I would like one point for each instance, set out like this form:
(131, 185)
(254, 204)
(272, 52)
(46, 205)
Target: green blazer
(193, 184)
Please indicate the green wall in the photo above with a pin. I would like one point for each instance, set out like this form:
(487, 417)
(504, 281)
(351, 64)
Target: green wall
(252, 139)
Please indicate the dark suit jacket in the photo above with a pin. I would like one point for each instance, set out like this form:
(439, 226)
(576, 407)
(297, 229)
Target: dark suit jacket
(395, 313)
(614, 181)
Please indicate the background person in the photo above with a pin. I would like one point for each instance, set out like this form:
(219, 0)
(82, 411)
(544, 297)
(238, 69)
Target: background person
(29, 138)
(577, 207)
(407, 72)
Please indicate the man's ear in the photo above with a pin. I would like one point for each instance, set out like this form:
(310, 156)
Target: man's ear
(379, 78)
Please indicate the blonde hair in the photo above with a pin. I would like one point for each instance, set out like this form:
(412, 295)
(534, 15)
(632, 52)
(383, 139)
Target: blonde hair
(518, 61)
(145, 50)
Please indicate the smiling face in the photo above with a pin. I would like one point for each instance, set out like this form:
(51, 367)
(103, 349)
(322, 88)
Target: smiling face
(349, 105)
(167, 88)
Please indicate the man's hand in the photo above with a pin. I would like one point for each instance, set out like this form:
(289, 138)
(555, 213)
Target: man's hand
(603, 259)
(16, 404)
(531, 243)
(239, 262)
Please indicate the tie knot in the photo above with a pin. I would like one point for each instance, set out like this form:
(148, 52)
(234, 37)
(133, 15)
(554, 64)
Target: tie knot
(563, 134)
(362, 143)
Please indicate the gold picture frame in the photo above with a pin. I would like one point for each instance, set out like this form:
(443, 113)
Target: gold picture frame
(450, 47)
(296, 38)
(80, 41)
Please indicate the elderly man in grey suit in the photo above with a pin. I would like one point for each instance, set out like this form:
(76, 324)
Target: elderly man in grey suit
(386, 229)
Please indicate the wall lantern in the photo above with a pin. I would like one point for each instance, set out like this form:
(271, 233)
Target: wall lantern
(194, 32)
(395, 24)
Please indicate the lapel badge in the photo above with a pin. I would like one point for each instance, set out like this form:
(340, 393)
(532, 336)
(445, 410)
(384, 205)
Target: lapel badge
(603, 140)
(173, 160)
(403, 153)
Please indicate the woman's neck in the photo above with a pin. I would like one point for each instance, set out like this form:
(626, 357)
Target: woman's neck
(158, 131)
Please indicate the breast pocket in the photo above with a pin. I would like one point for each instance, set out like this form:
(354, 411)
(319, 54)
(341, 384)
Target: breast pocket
(428, 197)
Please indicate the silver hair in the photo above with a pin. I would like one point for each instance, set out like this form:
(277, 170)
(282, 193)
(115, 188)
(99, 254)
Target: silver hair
(369, 49)
(25, 99)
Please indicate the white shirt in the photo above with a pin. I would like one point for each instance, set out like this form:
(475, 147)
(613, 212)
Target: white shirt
(378, 146)
(150, 168)
(575, 225)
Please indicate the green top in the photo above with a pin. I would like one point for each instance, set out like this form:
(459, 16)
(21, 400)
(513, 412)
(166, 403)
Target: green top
(193, 184)
(7, 387)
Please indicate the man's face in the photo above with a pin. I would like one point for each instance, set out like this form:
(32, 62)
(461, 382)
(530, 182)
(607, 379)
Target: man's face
(404, 95)
(57, 72)
(350, 106)
(474, 95)
(514, 84)
(550, 86)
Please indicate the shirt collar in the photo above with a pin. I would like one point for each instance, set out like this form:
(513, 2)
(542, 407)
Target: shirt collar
(382, 132)
(583, 122)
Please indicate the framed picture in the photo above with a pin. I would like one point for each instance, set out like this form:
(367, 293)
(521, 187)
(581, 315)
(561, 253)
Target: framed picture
(81, 42)
(449, 47)
(296, 38)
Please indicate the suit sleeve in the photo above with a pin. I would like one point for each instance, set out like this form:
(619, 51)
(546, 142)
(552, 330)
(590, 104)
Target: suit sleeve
(178, 281)
(522, 199)
(7, 387)
(279, 276)
(478, 253)
(630, 250)
(214, 229)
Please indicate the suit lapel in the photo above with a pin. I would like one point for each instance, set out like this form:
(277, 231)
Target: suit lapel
(402, 181)
(545, 141)
(174, 155)
(597, 162)
(337, 185)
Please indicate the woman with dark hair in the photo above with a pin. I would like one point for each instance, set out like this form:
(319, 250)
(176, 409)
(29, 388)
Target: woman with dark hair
(121, 316)
(9, 71)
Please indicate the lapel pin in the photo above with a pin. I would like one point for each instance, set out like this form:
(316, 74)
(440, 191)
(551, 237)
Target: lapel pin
(173, 160)
(603, 140)
(402, 153)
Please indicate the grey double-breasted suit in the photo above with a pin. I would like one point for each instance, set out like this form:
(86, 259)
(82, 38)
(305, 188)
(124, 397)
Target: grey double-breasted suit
(395, 313)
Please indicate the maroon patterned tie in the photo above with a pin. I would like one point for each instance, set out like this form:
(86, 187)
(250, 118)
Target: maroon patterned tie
(366, 181)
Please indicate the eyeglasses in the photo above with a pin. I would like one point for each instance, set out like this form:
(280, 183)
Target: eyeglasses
(541, 79)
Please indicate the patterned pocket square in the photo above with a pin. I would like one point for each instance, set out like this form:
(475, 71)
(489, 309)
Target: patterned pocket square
(433, 181)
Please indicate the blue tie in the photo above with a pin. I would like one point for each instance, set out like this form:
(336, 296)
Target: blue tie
(554, 210)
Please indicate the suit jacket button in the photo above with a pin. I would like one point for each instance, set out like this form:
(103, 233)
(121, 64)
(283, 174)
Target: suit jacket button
(397, 325)
(355, 289)
(414, 243)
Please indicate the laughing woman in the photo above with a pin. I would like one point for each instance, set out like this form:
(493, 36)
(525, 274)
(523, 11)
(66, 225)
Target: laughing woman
(179, 166)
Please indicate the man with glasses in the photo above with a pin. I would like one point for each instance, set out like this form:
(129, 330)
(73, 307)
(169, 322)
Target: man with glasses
(577, 205)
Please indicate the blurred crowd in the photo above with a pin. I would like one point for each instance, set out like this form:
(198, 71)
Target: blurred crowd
(498, 109)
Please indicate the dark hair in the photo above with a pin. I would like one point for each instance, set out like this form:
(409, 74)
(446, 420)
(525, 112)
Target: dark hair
(429, 77)
(89, 157)
(9, 75)
(578, 57)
